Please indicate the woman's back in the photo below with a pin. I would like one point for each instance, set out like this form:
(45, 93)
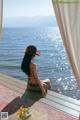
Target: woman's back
(33, 74)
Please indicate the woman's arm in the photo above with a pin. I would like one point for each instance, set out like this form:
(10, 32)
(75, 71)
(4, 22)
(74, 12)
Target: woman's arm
(37, 79)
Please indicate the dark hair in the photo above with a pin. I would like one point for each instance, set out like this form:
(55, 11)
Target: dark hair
(25, 65)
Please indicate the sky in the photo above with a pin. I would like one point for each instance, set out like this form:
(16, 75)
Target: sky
(27, 8)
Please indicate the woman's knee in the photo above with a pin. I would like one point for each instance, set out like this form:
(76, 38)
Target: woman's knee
(46, 80)
(47, 83)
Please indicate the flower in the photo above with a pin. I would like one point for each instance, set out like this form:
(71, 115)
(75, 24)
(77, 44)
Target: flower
(23, 113)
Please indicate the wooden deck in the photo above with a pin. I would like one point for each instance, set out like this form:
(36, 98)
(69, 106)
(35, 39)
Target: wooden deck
(63, 103)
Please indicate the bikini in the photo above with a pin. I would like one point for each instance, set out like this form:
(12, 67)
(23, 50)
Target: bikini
(33, 87)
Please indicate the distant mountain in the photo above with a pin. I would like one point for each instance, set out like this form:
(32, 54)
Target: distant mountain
(37, 21)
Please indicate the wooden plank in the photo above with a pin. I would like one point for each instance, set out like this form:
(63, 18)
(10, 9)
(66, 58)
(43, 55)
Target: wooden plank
(12, 79)
(63, 97)
(63, 102)
(60, 107)
(13, 82)
(10, 86)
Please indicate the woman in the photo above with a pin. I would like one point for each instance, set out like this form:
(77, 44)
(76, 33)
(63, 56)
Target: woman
(34, 83)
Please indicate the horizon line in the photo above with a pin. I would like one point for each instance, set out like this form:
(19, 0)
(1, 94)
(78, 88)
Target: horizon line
(28, 16)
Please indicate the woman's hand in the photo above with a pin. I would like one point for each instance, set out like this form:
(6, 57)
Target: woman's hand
(43, 92)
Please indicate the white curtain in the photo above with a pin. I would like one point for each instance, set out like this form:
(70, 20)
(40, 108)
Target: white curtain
(1, 11)
(68, 17)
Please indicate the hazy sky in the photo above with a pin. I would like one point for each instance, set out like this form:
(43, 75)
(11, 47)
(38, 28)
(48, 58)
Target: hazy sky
(25, 8)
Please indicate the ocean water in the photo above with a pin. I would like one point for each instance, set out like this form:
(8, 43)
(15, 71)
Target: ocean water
(52, 63)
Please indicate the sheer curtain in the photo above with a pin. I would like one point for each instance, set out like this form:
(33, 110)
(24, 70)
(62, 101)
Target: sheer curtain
(68, 17)
(1, 10)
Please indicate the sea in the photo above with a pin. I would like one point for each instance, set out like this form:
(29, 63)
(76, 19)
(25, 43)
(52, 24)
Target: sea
(52, 63)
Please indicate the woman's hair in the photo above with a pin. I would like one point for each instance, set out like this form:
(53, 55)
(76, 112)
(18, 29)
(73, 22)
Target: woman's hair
(29, 54)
